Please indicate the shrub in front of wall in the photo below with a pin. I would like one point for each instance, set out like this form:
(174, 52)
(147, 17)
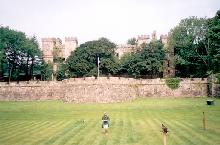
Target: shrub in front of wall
(173, 83)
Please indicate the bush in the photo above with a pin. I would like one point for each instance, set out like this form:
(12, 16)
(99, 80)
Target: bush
(173, 83)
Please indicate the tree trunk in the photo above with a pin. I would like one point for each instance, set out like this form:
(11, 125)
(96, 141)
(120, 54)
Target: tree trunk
(27, 68)
(9, 73)
(32, 66)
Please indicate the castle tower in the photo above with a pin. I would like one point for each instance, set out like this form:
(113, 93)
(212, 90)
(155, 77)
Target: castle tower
(154, 36)
(163, 39)
(143, 39)
(47, 48)
(71, 43)
(51, 47)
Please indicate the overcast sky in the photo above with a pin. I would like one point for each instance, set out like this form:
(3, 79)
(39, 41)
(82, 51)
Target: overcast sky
(87, 20)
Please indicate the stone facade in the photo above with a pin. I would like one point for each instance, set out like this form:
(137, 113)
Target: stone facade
(70, 45)
(54, 46)
(124, 48)
(143, 39)
(101, 90)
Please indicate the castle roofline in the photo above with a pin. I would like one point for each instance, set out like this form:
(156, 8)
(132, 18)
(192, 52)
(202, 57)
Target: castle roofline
(163, 36)
(71, 39)
(51, 39)
(141, 37)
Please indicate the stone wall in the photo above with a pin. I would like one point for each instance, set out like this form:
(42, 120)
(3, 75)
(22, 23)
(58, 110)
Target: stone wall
(102, 90)
(216, 90)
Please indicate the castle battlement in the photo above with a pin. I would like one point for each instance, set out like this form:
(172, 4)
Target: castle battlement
(71, 39)
(142, 37)
(52, 39)
(163, 36)
(62, 50)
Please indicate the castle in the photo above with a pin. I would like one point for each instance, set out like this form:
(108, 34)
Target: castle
(140, 40)
(168, 66)
(52, 47)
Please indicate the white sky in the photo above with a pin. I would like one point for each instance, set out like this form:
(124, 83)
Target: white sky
(87, 20)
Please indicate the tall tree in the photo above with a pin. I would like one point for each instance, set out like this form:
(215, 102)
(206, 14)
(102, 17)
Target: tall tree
(18, 53)
(188, 41)
(213, 43)
(83, 61)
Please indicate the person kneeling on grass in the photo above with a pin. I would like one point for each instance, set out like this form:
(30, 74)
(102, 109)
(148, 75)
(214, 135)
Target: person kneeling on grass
(105, 122)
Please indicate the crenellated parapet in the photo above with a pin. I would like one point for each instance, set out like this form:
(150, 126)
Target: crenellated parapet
(53, 46)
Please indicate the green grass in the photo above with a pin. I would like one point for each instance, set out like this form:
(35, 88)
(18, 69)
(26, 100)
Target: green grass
(132, 123)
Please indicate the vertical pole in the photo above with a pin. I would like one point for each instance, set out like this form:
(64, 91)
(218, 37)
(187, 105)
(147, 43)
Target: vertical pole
(164, 138)
(203, 120)
(98, 67)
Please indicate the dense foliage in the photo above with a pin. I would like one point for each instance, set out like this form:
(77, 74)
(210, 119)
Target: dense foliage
(213, 43)
(132, 41)
(172, 83)
(84, 60)
(188, 41)
(20, 56)
(196, 44)
(147, 61)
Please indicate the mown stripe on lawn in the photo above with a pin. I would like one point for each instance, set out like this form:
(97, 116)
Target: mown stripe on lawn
(34, 134)
(4, 123)
(132, 134)
(13, 131)
(143, 130)
(25, 132)
(93, 134)
(12, 125)
(204, 134)
(112, 131)
(59, 127)
(117, 134)
(28, 135)
(192, 135)
(76, 138)
(96, 135)
(69, 129)
(123, 133)
(176, 135)
(155, 134)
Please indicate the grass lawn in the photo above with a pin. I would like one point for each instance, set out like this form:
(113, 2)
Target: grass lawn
(132, 123)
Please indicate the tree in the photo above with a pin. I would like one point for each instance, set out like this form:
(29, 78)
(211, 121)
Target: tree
(213, 43)
(188, 41)
(32, 56)
(46, 71)
(132, 41)
(83, 61)
(147, 61)
(18, 53)
(61, 72)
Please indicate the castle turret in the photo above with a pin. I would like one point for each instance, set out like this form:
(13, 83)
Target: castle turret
(163, 39)
(154, 36)
(71, 43)
(47, 48)
(143, 39)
